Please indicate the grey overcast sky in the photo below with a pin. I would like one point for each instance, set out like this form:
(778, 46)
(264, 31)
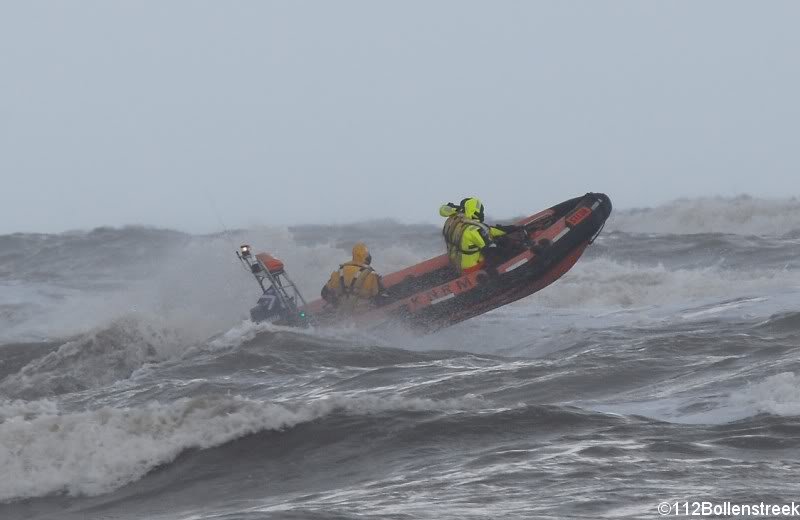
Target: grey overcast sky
(170, 113)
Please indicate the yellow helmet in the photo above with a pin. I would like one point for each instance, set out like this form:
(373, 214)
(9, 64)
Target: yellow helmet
(361, 254)
(473, 209)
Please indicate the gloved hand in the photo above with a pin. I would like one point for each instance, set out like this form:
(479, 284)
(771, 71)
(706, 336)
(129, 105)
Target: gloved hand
(508, 228)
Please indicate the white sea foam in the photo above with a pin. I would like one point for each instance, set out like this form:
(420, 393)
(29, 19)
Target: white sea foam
(778, 394)
(608, 283)
(97, 358)
(742, 215)
(95, 452)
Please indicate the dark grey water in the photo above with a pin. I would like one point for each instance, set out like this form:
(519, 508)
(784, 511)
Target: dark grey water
(663, 367)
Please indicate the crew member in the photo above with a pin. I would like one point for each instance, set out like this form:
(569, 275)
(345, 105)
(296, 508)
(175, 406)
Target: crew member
(355, 285)
(466, 236)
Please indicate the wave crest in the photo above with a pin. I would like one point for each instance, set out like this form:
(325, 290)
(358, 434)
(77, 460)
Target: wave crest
(95, 452)
(743, 215)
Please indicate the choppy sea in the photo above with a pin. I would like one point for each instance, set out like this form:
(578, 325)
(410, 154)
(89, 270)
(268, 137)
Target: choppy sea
(664, 367)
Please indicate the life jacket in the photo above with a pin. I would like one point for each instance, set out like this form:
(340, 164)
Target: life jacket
(353, 285)
(455, 227)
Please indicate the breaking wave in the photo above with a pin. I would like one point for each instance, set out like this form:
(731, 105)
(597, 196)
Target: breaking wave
(95, 452)
(743, 215)
(96, 359)
(602, 282)
(778, 394)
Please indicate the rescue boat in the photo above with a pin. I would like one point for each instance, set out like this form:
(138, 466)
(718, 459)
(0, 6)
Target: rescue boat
(432, 295)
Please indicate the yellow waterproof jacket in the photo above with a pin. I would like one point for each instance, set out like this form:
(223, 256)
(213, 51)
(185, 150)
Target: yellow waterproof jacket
(355, 284)
(466, 237)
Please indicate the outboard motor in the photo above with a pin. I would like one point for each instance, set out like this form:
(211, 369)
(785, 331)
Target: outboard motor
(281, 300)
